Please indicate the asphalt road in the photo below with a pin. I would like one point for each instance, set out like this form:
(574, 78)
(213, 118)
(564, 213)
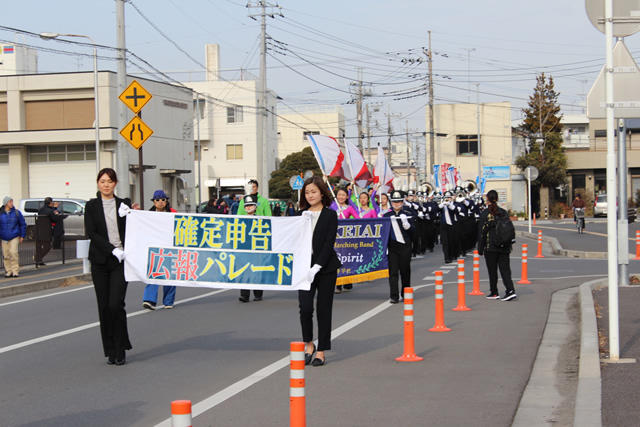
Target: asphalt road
(213, 350)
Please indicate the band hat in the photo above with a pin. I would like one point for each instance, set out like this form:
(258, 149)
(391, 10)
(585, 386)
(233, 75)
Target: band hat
(159, 194)
(397, 196)
(411, 193)
(448, 194)
(249, 200)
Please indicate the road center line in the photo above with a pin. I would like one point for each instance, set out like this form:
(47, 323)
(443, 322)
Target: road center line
(94, 324)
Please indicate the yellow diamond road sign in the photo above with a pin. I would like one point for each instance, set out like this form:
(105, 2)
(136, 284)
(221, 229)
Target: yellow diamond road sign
(136, 132)
(135, 96)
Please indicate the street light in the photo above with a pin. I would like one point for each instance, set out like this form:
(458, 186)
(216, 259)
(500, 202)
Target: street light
(51, 36)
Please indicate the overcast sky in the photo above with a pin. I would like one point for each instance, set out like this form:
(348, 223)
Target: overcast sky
(324, 42)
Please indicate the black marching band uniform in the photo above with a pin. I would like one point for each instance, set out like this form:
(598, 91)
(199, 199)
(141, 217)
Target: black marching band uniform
(399, 248)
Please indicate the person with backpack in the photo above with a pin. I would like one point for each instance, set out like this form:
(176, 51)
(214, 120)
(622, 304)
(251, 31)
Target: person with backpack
(496, 234)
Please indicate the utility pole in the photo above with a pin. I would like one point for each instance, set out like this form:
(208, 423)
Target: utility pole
(122, 158)
(432, 134)
(263, 152)
(368, 133)
(478, 120)
(408, 161)
(359, 108)
(389, 134)
(469, 50)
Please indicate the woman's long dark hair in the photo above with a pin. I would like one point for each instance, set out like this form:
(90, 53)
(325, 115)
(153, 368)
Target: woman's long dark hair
(324, 190)
(492, 198)
(109, 172)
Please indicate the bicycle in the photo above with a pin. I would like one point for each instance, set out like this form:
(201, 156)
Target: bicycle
(579, 213)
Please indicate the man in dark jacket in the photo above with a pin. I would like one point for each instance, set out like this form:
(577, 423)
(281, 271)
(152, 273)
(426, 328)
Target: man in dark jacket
(399, 247)
(47, 216)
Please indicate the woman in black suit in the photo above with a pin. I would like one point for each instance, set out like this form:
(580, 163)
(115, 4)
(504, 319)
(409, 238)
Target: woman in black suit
(324, 270)
(106, 229)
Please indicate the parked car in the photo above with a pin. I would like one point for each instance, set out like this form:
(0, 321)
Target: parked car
(600, 208)
(72, 208)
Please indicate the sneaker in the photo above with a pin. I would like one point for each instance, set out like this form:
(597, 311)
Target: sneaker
(493, 296)
(509, 296)
(338, 290)
(168, 307)
(148, 305)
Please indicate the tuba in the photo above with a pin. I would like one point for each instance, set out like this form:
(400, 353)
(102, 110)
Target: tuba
(429, 189)
(470, 187)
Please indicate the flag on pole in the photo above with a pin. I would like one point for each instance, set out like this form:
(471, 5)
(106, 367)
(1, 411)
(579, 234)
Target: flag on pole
(359, 170)
(327, 152)
(436, 176)
(382, 173)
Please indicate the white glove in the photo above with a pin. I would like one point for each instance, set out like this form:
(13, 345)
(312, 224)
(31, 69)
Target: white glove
(313, 271)
(124, 210)
(118, 253)
(420, 214)
(403, 217)
(405, 222)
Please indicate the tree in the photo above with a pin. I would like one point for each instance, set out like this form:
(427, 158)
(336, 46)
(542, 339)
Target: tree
(293, 164)
(543, 129)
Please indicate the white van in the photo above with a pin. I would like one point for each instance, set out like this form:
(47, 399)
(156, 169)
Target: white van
(73, 209)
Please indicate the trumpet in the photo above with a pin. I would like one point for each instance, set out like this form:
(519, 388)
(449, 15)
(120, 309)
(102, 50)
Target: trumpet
(448, 199)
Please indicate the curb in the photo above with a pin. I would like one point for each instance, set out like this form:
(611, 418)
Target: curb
(557, 249)
(588, 404)
(41, 285)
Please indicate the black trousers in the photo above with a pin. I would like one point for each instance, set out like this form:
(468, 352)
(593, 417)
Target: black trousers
(495, 261)
(324, 285)
(415, 238)
(450, 242)
(111, 289)
(42, 249)
(399, 265)
(246, 293)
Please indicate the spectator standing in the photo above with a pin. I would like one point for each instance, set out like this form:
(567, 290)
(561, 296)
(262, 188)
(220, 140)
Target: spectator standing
(13, 229)
(235, 205)
(277, 210)
(290, 210)
(150, 296)
(496, 255)
(47, 216)
(263, 208)
(58, 228)
(250, 205)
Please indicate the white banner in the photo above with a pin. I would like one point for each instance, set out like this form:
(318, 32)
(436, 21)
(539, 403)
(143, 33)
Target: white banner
(218, 251)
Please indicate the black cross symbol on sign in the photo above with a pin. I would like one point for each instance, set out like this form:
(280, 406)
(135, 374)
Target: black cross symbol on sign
(135, 96)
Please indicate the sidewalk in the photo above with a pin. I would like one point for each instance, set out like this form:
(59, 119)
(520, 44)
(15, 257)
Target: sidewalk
(52, 275)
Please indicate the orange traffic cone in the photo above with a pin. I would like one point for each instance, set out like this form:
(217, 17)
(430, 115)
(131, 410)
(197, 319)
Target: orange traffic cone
(297, 411)
(181, 413)
(409, 353)
(439, 326)
(462, 303)
(525, 274)
(476, 275)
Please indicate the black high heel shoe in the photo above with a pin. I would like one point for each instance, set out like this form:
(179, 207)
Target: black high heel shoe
(318, 362)
(309, 356)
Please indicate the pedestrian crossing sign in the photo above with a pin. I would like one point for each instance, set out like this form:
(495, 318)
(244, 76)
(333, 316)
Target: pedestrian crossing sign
(136, 132)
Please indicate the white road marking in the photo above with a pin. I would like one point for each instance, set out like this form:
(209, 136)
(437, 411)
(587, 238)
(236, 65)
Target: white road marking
(430, 278)
(94, 324)
(241, 385)
(46, 296)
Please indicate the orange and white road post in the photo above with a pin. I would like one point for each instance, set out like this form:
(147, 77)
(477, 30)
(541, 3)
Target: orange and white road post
(637, 245)
(539, 254)
(297, 410)
(476, 275)
(439, 325)
(181, 413)
(462, 303)
(409, 352)
(524, 280)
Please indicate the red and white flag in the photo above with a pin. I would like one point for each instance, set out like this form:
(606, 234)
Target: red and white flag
(327, 152)
(382, 173)
(357, 166)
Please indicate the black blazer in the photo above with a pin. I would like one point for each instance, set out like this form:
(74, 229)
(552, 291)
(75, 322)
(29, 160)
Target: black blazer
(96, 228)
(324, 237)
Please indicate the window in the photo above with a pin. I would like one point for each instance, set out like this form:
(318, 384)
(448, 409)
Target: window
(578, 181)
(467, 145)
(71, 208)
(309, 132)
(234, 114)
(62, 153)
(59, 114)
(234, 151)
(4, 155)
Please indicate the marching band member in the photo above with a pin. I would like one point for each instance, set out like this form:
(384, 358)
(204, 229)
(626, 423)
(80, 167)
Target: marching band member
(448, 236)
(365, 210)
(431, 211)
(323, 273)
(399, 247)
(410, 204)
(384, 206)
(250, 206)
(344, 209)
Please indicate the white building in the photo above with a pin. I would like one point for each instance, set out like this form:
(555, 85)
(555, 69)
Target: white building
(15, 59)
(47, 137)
(230, 124)
(295, 124)
(457, 144)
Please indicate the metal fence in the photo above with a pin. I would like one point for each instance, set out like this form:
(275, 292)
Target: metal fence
(27, 249)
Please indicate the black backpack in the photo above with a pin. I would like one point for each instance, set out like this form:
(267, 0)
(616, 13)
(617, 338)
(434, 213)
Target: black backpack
(504, 233)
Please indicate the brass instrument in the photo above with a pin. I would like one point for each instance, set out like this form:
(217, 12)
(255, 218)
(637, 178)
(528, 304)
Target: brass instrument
(470, 187)
(429, 189)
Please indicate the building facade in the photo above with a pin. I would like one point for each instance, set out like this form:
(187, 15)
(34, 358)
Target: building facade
(234, 146)
(48, 143)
